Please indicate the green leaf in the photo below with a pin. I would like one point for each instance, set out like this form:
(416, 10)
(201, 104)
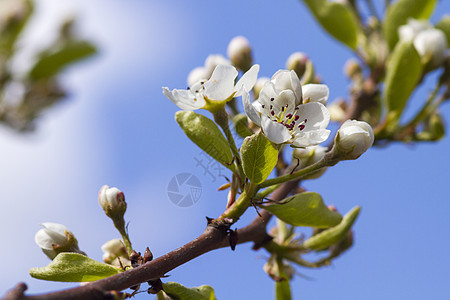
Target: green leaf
(259, 157)
(205, 134)
(444, 25)
(398, 14)
(240, 122)
(283, 290)
(74, 267)
(52, 63)
(305, 209)
(404, 69)
(338, 19)
(332, 235)
(178, 291)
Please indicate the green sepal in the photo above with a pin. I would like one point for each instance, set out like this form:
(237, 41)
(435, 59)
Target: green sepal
(282, 290)
(404, 69)
(337, 19)
(49, 64)
(259, 157)
(305, 209)
(74, 267)
(444, 25)
(398, 14)
(205, 134)
(334, 234)
(177, 291)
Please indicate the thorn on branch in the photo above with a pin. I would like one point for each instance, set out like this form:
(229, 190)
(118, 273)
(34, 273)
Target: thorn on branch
(233, 238)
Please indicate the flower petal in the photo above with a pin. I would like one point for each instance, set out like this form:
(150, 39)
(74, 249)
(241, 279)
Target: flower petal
(316, 114)
(221, 84)
(310, 138)
(247, 81)
(315, 93)
(250, 109)
(275, 132)
(196, 75)
(288, 80)
(184, 99)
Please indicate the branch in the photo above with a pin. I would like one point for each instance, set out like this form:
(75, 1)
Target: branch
(214, 237)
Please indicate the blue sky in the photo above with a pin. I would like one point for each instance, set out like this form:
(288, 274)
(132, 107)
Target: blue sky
(117, 128)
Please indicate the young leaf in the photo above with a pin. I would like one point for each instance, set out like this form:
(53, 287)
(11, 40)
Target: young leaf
(205, 134)
(332, 235)
(403, 72)
(51, 64)
(178, 291)
(240, 122)
(336, 18)
(73, 267)
(305, 209)
(259, 157)
(444, 25)
(398, 14)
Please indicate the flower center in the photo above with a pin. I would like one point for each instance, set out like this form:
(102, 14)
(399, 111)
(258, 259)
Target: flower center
(197, 89)
(291, 120)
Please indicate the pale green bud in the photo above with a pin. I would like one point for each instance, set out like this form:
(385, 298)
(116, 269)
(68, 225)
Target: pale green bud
(353, 139)
(112, 200)
(297, 61)
(240, 53)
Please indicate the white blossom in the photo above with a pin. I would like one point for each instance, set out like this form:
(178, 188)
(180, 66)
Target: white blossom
(205, 72)
(282, 116)
(216, 91)
(55, 238)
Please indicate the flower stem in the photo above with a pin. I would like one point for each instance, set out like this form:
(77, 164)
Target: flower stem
(221, 118)
(240, 206)
(120, 226)
(326, 161)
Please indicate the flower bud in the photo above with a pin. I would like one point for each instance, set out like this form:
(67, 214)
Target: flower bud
(432, 46)
(308, 156)
(112, 200)
(259, 85)
(353, 139)
(352, 69)
(337, 110)
(114, 249)
(56, 238)
(297, 62)
(240, 53)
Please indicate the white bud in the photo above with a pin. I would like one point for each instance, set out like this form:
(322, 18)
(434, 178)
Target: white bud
(432, 45)
(240, 53)
(337, 110)
(112, 200)
(409, 31)
(55, 238)
(114, 247)
(259, 85)
(297, 62)
(353, 139)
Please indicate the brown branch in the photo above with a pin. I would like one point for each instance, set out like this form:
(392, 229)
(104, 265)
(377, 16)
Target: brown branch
(214, 237)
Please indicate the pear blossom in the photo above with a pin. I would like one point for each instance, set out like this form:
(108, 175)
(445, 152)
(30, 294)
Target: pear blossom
(282, 116)
(430, 43)
(216, 91)
(112, 200)
(308, 156)
(205, 72)
(55, 238)
(354, 138)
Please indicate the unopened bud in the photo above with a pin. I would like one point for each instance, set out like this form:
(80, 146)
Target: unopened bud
(115, 247)
(56, 238)
(297, 62)
(337, 110)
(352, 69)
(240, 53)
(432, 46)
(112, 200)
(259, 85)
(353, 139)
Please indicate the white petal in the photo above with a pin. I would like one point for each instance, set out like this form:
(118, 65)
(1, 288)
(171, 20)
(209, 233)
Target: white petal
(274, 131)
(196, 75)
(221, 84)
(247, 80)
(316, 114)
(184, 99)
(284, 79)
(267, 92)
(286, 97)
(250, 109)
(315, 93)
(311, 138)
